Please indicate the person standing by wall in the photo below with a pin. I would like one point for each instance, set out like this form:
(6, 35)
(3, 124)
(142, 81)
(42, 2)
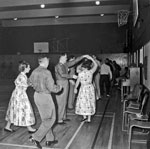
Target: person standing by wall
(43, 84)
(106, 76)
(116, 72)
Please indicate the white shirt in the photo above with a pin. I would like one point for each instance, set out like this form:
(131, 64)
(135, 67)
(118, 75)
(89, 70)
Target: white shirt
(105, 70)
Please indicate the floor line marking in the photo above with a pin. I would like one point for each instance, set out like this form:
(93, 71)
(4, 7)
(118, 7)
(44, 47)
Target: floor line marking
(106, 112)
(139, 141)
(104, 116)
(96, 112)
(71, 113)
(111, 132)
(94, 115)
(73, 137)
(17, 145)
(4, 108)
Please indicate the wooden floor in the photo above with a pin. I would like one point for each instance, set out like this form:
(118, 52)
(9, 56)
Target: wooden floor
(104, 132)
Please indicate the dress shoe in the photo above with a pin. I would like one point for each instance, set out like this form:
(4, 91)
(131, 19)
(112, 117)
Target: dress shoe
(32, 131)
(38, 145)
(9, 130)
(61, 123)
(66, 120)
(49, 143)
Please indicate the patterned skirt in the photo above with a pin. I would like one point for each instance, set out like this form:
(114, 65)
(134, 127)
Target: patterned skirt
(20, 112)
(85, 104)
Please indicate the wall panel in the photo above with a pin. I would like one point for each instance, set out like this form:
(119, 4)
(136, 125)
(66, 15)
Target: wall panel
(7, 70)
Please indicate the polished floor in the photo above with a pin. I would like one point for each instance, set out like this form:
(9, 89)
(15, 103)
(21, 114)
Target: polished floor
(104, 131)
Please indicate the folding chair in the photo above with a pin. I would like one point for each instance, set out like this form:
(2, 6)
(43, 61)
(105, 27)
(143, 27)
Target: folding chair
(129, 110)
(137, 124)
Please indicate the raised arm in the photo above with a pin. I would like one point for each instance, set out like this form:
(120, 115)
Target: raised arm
(93, 69)
(71, 63)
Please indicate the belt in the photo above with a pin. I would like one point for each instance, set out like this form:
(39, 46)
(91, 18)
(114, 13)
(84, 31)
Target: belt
(39, 92)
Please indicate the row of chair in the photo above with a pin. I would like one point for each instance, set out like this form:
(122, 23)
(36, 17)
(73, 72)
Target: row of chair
(135, 111)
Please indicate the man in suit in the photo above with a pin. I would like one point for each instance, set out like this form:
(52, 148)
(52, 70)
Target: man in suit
(62, 77)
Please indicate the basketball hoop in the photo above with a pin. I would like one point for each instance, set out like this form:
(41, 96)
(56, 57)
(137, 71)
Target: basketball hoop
(122, 17)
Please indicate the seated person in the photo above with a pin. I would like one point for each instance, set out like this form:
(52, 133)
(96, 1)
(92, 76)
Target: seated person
(124, 76)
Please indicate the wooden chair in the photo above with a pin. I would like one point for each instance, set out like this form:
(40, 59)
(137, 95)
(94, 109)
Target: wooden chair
(132, 110)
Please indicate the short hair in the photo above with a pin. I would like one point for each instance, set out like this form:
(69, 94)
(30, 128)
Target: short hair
(22, 65)
(41, 57)
(62, 54)
(71, 57)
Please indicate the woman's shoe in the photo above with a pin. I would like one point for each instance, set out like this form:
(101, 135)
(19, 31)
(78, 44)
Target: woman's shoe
(61, 123)
(29, 131)
(38, 145)
(49, 143)
(9, 130)
(88, 121)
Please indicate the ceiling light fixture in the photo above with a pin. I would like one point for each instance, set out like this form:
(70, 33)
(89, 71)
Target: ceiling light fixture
(97, 2)
(56, 17)
(42, 5)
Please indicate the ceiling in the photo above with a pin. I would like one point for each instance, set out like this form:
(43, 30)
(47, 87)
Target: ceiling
(29, 12)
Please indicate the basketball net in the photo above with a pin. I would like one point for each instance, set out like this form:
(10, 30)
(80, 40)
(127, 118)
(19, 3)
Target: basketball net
(122, 17)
